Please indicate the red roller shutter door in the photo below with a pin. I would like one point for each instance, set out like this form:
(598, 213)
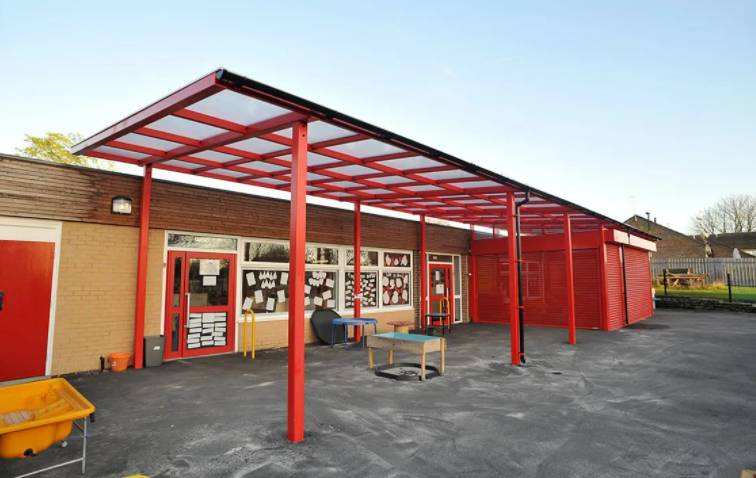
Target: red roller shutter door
(587, 289)
(615, 295)
(638, 272)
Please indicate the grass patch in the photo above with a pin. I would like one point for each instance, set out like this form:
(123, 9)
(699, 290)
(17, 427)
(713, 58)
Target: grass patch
(739, 294)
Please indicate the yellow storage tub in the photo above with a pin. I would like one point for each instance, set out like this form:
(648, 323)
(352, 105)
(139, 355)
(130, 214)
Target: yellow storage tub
(35, 415)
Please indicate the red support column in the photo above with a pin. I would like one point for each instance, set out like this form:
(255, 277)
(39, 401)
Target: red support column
(569, 270)
(472, 267)
(357, 268)
(514, 309)
(604, 281)
(141, 285)
(423, 273)
(298, 216)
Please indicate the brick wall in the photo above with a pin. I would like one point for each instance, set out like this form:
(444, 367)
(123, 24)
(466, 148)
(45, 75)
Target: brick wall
(97, 280)
(96, 288)
(672, 243)
(274, 333)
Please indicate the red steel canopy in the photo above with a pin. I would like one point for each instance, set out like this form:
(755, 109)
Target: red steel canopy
(226, 126)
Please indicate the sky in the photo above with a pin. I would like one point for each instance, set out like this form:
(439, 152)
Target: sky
(623, 107)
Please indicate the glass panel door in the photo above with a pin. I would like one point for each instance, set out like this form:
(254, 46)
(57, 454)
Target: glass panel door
(441, 289)
(199, 306)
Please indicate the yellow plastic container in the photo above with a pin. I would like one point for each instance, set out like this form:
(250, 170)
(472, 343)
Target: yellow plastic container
(35, 415)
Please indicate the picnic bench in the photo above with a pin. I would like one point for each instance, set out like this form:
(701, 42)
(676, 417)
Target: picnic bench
(683, 278)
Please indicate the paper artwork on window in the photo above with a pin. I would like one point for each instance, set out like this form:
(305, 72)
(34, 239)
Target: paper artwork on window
(247, 303)
(368, 286)
(395, 288)
(396, 259)
(209, 267)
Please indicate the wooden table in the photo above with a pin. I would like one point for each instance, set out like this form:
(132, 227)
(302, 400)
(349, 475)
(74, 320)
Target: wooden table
(413, 343)
(684, 279)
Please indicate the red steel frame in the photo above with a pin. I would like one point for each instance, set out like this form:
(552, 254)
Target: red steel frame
(472, 288)
(357, 269)
(514, 305)
(423, 269)
(569, 270)
(438, 190)
(141, 285)
(297, 232)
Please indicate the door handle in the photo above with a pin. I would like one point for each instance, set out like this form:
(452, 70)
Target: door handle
(2, 301)
(188, 301)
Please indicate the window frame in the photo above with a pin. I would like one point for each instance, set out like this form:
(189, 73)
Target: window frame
(341, 268)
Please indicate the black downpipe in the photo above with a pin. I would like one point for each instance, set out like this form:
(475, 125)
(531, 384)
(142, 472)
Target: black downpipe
(521, 306)
(624, 282)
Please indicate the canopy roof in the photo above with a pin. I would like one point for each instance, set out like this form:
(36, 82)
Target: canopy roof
(226, 126)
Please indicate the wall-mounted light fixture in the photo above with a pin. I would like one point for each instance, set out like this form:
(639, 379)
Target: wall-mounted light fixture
(121, 205)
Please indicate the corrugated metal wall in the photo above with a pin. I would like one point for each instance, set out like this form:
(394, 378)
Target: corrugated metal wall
(544, 288)
(492, 301)
(616, 297)
(637, 267)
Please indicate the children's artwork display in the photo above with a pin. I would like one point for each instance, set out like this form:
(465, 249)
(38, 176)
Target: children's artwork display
(395, 288)
(396, 259)
(320, 289)
(267, 290)
(368, 285)
(206, 329)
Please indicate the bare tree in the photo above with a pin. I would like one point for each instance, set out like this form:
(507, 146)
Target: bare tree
(734, 213)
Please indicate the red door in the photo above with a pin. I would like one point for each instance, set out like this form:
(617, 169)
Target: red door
(199, 304)
(26, 271)
(441, 294)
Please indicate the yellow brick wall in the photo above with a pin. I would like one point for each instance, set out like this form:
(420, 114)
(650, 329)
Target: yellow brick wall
(96, 290)
(274, 333)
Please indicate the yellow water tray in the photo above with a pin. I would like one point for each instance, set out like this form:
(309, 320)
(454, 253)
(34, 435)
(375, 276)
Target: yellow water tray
(35, 415)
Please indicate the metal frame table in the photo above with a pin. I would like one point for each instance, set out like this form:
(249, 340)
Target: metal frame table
(413, 343)
(352, 322)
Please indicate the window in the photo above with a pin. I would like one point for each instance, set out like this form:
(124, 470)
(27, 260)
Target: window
(532, 280)
(266, 252)
(267, 289)
(265, 277)
(396, 259)
(191, 241)
(368, 286)
(395, 288)
(321, 290)
(368, 258)
(322, 255)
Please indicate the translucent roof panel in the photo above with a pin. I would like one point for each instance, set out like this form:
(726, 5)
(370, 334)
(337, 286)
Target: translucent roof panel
(230, 127)
(319, 131)
(237, 108)
(122, 152)
(352, 170)
(182, 164)
(149, 142)
(415, 162)
(184, 127)
(215, 156)
(257, 146)
(367, 148)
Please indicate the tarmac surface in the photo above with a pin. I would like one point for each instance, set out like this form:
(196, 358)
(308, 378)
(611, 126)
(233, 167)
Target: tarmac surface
(671, 396)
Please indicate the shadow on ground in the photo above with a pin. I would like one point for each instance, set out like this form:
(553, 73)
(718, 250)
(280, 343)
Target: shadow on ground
(674, 396)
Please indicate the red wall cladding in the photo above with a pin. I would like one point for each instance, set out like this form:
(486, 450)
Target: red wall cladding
(544, 288)
(615, 294)
(639, 300)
